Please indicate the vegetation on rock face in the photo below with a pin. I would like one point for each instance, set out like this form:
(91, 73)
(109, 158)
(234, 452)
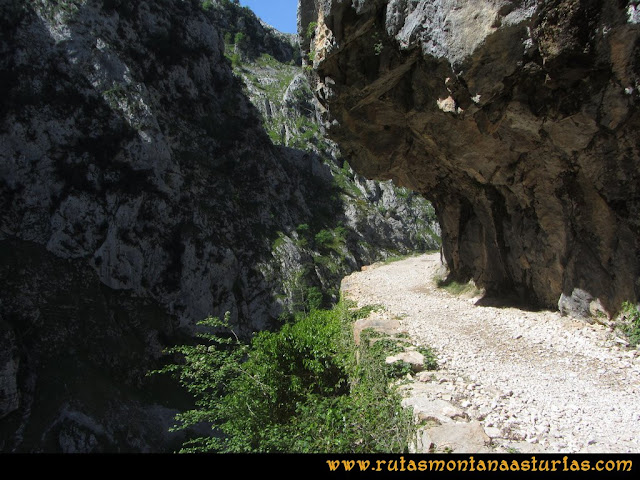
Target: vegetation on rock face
(300, 389)
(241, 28)
(630, 322)
(142, 178)
(358, 221)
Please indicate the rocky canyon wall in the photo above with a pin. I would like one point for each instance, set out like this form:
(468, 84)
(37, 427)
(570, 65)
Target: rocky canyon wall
(518, 119)
(129, 211)
(139, 194)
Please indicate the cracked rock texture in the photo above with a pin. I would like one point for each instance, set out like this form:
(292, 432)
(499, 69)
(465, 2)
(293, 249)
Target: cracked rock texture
(518, 119)
(139, 194)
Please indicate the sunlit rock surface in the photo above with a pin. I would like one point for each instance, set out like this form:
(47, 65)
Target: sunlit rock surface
(518, 119)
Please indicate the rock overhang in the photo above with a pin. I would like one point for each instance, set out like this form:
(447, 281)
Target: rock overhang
(516, 119)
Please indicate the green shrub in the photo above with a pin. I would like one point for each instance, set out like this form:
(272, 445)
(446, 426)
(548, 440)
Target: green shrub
(236, 60)
(333, 239)
(324, 239)
(430, 359)
(314, 299)
(398, 369)
(311, 30)
(240, 40)
(303, 229)
(297, 390)
(631, 322)
(380, 349)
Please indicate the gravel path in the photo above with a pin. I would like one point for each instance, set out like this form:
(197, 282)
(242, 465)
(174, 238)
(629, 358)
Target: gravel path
(554, 383)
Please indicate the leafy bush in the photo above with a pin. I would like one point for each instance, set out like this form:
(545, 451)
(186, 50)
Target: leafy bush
(296, 390)
(631, 326)
(240, 39)
(430, 359)
(381, 348)
(314, 298)
(324, 239)
(333, 239)
(398, 369)
(311, 30)
(303, 229)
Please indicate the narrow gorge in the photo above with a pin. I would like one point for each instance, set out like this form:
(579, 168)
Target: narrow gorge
(141, 193)
(163, 162)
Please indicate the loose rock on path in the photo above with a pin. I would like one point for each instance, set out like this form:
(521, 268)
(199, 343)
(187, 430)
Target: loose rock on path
(509, 379)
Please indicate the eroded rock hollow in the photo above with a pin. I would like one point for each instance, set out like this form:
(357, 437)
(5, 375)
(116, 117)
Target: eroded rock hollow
(518, 119)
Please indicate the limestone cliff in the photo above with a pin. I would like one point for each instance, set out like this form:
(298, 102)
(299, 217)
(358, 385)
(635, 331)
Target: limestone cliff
(139, 194)
(377, 219)
(518, 119)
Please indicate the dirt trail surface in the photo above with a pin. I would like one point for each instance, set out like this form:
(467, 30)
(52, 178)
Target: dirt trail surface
(534, 381)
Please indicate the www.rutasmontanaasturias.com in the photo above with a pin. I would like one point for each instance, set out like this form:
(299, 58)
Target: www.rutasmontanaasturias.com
(531, 464)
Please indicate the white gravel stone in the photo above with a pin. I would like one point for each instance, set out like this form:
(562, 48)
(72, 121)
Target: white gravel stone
(563, 384)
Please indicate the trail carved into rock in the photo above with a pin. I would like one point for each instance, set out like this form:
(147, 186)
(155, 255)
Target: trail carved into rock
(508, 378)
